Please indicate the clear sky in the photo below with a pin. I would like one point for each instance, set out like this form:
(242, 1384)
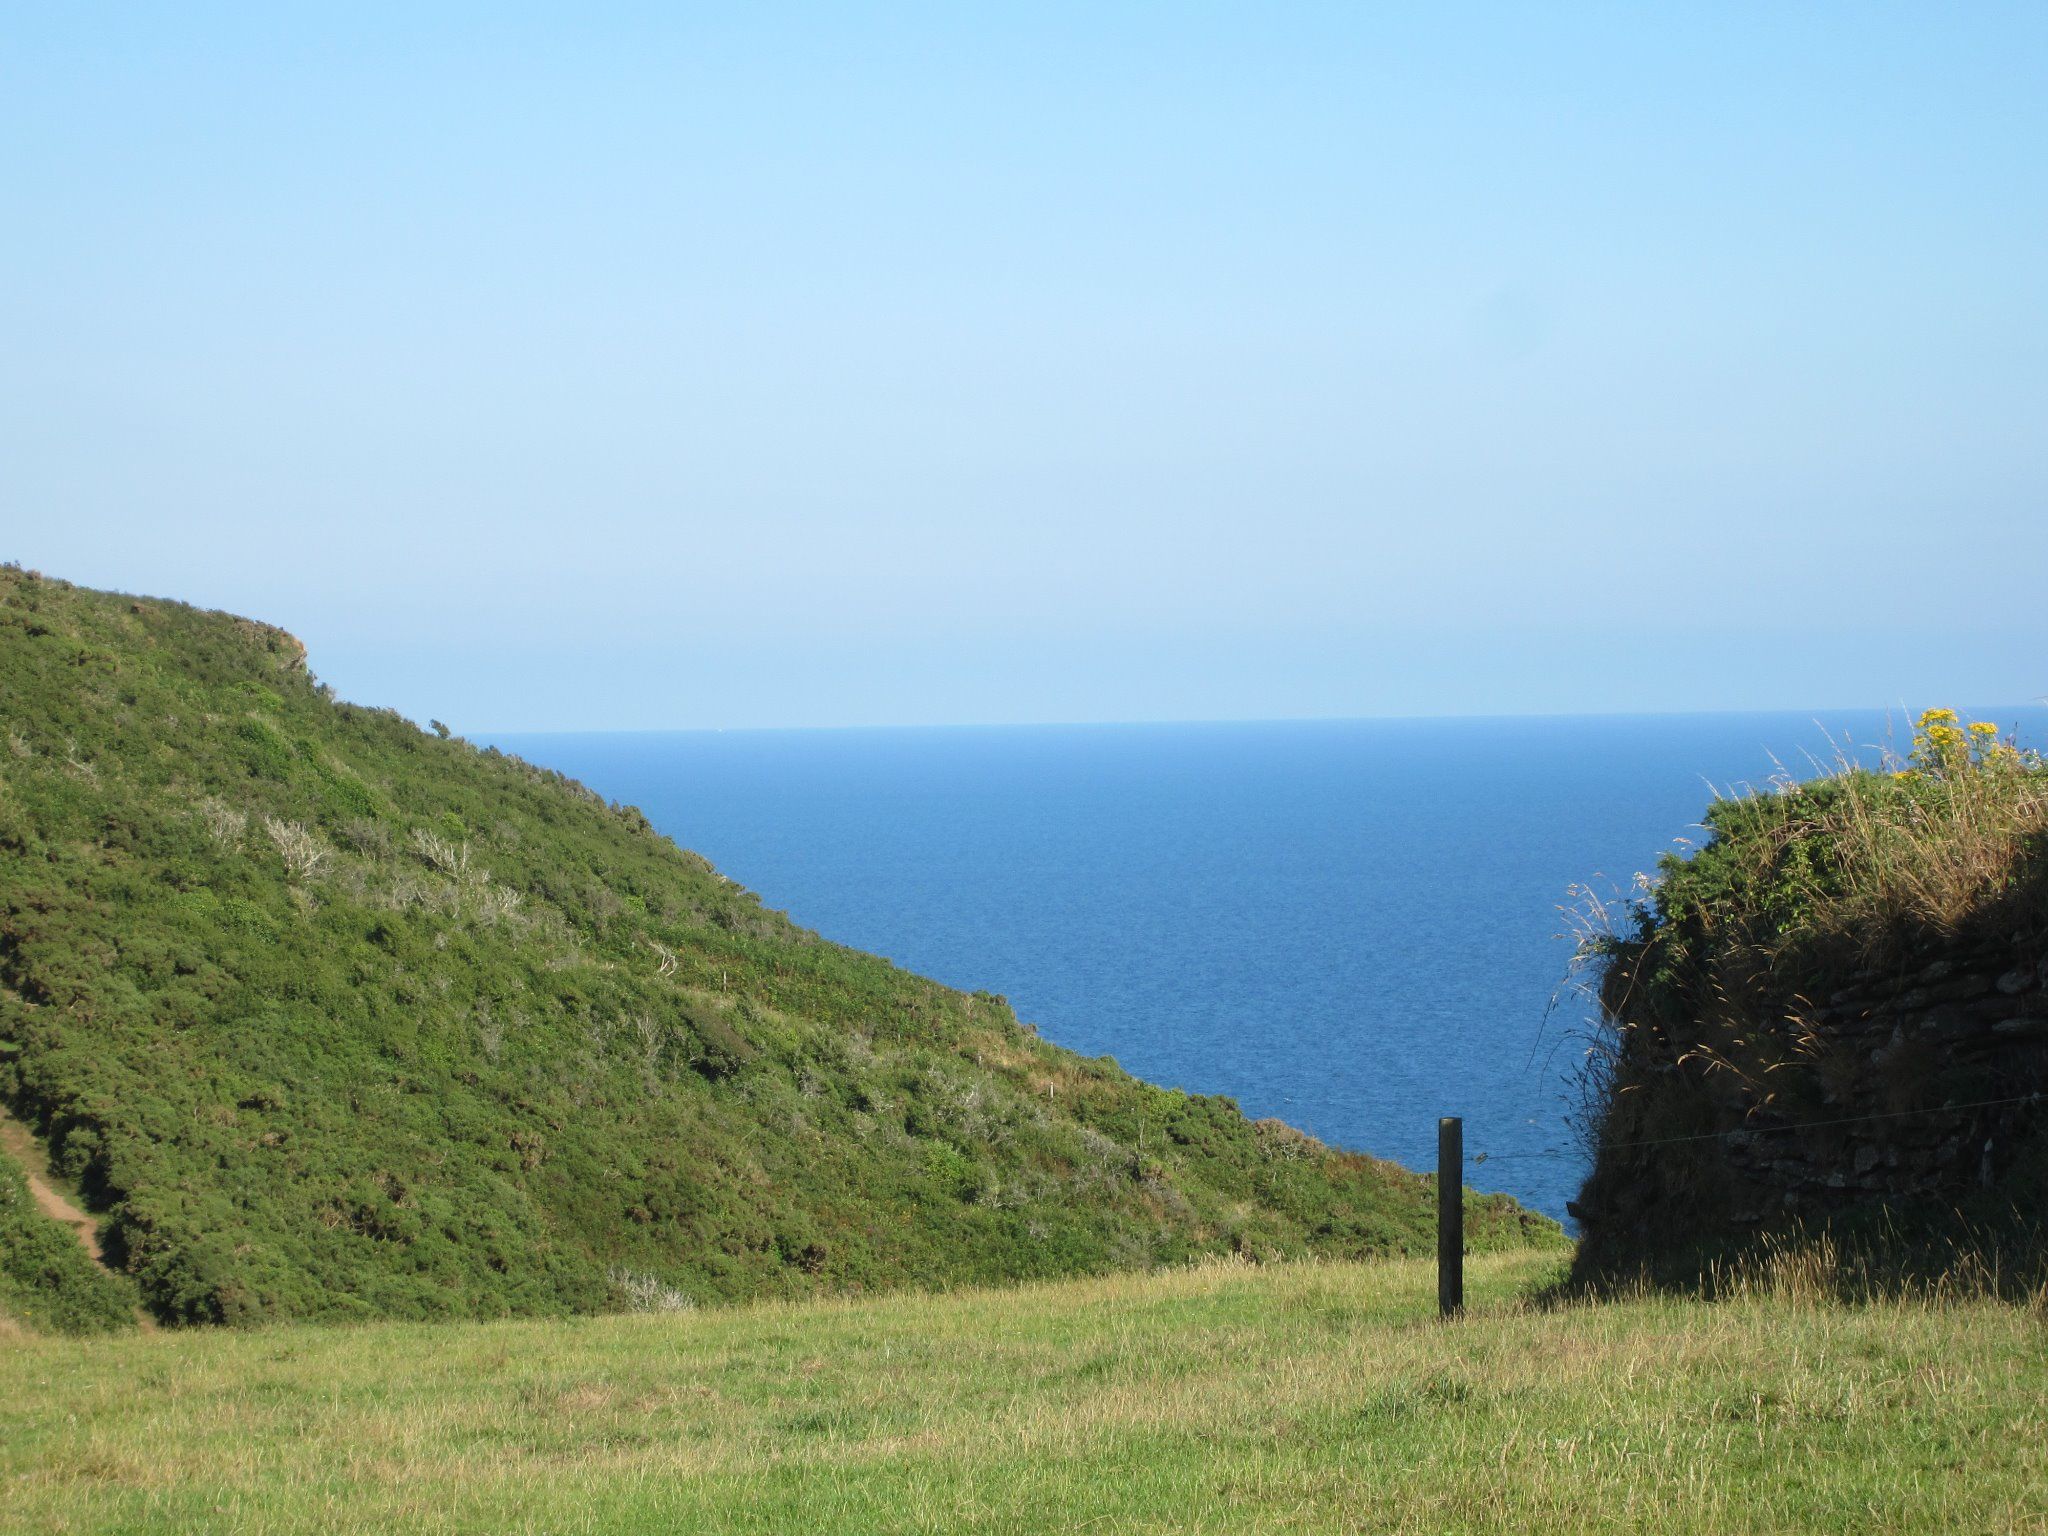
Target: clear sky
(639, 366)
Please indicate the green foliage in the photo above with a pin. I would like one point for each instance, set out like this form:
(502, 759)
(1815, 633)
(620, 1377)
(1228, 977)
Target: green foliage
(1802, 889)
(46, 1279)
(1802, 886)
(335, 1018)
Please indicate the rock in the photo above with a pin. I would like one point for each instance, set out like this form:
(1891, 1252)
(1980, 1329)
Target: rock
(1866, 1159)
(2013, 983)
(1941, 970)
(1962, 989)
(2026, 1028)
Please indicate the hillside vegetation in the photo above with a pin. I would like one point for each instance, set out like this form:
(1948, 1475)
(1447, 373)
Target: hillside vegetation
(1312, 1397)
(47, 1279)
(1835, 1010)
(333, 1018)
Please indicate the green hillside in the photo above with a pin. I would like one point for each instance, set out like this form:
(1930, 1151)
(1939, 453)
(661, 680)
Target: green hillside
(334, 1018)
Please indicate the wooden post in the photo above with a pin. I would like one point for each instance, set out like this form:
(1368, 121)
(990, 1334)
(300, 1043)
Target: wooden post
(1450, 1216)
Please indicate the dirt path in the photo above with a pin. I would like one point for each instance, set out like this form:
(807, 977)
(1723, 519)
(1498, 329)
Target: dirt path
(19, 1144)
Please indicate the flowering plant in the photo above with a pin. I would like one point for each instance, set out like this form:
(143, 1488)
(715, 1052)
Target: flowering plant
(1944, 747)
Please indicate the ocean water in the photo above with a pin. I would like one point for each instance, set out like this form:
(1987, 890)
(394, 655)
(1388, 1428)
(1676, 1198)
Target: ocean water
(1354, 925)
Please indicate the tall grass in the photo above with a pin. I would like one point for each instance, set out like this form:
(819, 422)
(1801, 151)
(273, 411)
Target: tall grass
(1224, 1398)
(1824, 1265)
(1849, 860)
(1918, 845)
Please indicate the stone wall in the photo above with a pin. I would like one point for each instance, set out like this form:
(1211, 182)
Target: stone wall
(1916, 1052)
(1889, 1078)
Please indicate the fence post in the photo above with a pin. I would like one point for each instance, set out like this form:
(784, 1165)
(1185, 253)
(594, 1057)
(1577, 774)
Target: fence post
(1450, 1216)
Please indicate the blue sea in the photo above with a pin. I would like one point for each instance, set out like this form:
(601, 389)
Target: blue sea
(1353, 925)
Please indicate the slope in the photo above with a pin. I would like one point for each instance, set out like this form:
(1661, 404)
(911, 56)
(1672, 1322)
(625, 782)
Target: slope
(331, 1017)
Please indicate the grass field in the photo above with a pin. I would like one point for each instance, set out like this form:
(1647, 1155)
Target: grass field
(1291, 1398)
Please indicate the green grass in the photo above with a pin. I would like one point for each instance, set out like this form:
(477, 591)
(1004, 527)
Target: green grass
(1307, 1397)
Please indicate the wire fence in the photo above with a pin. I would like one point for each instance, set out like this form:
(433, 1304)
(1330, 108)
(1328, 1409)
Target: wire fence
(1565, 1153)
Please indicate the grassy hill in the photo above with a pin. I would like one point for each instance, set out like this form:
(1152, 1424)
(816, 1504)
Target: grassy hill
(1313, 1397)
(332, 1018)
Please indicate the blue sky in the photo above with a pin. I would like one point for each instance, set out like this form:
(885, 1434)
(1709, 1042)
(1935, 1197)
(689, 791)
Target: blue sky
(752, 365)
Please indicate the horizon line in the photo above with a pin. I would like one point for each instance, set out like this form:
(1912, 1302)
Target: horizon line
(1904, 712)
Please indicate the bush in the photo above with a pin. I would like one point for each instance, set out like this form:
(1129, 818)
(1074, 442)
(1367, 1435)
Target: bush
(46, 1279)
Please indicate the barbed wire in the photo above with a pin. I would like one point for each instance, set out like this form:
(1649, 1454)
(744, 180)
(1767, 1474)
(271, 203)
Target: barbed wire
(1767, 1130)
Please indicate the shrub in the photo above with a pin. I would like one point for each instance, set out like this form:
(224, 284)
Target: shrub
(46, 1279)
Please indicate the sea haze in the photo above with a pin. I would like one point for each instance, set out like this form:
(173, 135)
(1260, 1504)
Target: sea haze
(1354, 925)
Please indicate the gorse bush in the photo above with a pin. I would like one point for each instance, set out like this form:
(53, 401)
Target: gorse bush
(335, 1018)
(1814, 879)
(1875, 856)
(46, 1279)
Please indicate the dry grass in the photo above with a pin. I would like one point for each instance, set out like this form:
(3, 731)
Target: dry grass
(1226, 1398)
(1919, 845)
(1708, 973)
(1935, 856)
(1823, 1267)
(1928, 852)
(1850, 859)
